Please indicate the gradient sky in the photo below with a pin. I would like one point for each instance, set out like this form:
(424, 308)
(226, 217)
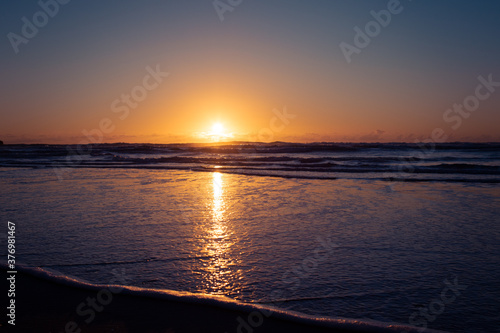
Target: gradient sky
(265, 55)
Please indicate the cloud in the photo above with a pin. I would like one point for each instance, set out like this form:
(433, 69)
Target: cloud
(373, 136)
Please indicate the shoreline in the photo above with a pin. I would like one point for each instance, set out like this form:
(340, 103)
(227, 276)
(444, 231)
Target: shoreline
(47, 302)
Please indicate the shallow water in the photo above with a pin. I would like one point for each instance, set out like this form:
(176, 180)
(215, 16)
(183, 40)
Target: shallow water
(342, 248)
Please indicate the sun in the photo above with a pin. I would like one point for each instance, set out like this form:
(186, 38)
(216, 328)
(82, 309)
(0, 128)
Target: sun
(218, 129)
(218, 132)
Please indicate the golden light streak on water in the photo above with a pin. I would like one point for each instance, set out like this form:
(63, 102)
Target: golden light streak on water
(219, 273)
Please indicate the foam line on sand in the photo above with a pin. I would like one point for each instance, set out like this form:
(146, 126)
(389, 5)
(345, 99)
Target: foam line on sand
(49, 301)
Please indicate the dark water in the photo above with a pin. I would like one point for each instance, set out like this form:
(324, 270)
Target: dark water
(357, 245)
(465, 162)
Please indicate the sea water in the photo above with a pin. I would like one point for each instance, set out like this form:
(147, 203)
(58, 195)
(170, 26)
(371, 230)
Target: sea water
(267, 224)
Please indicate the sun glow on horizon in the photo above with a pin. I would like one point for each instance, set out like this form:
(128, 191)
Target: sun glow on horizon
(217, 133)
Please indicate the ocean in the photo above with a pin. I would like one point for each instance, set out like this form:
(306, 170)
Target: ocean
(394, 232)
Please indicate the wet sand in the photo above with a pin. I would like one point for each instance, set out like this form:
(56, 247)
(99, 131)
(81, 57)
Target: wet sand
(47, 305)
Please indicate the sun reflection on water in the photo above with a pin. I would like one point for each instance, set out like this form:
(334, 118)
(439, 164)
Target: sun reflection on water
(218, 200)
(220, 275)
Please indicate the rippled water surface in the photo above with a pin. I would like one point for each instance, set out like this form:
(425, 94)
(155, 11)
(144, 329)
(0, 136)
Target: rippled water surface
(342, 248)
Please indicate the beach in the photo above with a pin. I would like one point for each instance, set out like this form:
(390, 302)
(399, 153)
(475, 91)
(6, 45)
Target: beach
(416, 249)
(250, 166)
(50, 303)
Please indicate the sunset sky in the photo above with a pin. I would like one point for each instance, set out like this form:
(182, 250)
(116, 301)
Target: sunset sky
(70, 76)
